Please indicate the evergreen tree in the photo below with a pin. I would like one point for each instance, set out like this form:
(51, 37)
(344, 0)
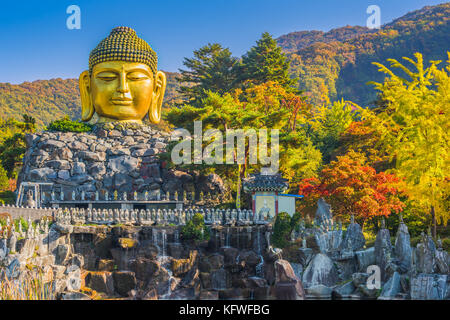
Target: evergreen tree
(4, 180)
(266, 62)
(212, 68)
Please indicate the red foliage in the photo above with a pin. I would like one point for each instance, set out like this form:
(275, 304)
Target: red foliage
(350, 186)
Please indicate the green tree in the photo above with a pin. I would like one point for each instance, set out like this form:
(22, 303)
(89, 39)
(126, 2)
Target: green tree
(212, 68)
(266, 62)
(416, 122)
(4, 180)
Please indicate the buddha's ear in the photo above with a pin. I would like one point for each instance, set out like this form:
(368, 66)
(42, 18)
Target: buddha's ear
(154, 113)
(87, 107)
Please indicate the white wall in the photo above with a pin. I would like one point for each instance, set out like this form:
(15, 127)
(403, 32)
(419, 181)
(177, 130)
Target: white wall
(286, 204)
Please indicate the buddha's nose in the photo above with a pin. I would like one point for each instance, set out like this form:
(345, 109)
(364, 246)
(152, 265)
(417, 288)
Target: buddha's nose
(123, 84)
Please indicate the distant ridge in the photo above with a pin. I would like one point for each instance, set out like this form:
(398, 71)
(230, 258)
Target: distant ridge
(47, 100)
(340, 61)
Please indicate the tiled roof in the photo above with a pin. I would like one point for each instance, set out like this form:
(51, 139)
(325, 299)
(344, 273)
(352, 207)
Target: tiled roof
(260, 182)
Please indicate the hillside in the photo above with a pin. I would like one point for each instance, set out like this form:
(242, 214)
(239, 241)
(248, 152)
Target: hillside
(339, 62)
(47, 100)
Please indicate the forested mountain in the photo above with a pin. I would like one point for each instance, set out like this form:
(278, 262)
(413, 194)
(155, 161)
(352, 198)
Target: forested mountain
(47, 100)
(339, 62)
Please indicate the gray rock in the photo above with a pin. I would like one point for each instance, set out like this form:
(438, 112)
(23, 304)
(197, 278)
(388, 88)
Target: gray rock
(75, 296)
(118, 152)
(79, 146)
(13, 270)
(360, 278)
(91, 156)
(97, 169)
(319, 291)
(62, 253)
(365, 258)
(64, 174)
(78, 168)
(429, 287)
(123, 182)
(392, 287)
(58, 164)
(123, 164)
(402, 249)
(354, 237)
(40, 174)
(383, 252)
(344, 290)
(321, 270)
(52, 144)
(124, 282)
(425, 255)
(114, 134)
(323, 212)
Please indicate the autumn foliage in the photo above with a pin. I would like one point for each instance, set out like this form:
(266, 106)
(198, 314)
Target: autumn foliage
(353, 187)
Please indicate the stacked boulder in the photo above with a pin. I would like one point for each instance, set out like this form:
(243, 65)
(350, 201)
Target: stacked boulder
(113, 156)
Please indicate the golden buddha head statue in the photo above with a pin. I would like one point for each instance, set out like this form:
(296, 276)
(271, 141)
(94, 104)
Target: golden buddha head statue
(122, 83)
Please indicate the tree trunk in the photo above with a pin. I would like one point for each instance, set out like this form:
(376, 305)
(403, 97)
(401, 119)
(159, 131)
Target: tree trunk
(433, 216)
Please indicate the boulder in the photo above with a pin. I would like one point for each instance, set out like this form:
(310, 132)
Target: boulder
(402, 249)
(321, 270)
(392, 287)
(429, 287)
(354, 238)
(319, 292)
(124, 282)
(75, 296)
(365, 258)
(101, 282)
(288, 285)
(383, 252)
(344, 290)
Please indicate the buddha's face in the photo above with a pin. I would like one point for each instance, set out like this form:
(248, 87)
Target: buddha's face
(122, 91)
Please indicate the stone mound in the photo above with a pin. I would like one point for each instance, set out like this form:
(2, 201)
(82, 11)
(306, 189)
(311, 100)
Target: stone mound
(122, 157)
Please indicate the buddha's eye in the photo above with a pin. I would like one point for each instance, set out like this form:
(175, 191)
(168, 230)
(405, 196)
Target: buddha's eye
(106, 76)
(136, 76)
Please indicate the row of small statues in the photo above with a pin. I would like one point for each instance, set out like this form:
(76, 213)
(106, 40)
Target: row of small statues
(160, 216)
(9, 230)
(145, 196)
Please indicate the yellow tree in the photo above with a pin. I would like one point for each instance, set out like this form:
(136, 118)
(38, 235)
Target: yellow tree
(416, 130)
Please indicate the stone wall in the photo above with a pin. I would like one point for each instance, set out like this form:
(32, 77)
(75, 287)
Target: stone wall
(32, 213)
(122, 157)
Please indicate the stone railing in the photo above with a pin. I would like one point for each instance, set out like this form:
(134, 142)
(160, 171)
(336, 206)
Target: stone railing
(186, 197)
(158, 217)
(26, 212)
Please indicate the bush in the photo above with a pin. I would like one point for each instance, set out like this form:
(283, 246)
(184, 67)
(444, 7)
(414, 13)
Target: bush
(195, 229)
(67, 125)
(7, 197)
(282, 230)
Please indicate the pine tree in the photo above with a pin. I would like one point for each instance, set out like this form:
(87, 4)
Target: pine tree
(266, 62)
(4, 180)
(212, 68)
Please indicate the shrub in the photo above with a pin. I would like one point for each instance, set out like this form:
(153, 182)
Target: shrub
(282, 230)
(195, 229)
(67, 125)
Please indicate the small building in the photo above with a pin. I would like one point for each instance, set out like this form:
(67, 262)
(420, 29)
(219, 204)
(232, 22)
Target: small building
(267, 194)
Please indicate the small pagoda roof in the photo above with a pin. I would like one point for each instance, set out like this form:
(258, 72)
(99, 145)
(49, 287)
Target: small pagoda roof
(264, 182)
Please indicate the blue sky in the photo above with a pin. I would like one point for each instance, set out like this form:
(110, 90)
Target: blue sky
(36, 43)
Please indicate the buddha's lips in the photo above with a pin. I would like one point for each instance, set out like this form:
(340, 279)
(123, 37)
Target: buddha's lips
(122, 101)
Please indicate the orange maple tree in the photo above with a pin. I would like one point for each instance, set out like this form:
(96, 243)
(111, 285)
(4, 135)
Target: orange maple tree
(351, 186)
